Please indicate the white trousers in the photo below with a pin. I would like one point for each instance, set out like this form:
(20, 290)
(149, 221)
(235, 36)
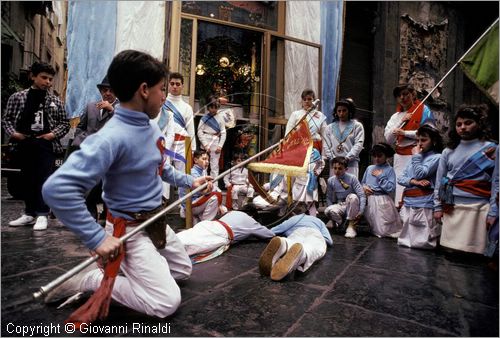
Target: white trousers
(147, 282)
(465, 228)
(214, 163)
(207, 211)
(420, 230)
(348, 209)
(204, 237)
(313, 244)
(382, 215)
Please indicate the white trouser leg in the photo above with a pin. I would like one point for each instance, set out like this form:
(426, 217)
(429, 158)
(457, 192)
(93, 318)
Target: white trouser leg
(336, 212)
(147, 284)
(214, 163)
(313, 244)
(208, 210)
(352, 203)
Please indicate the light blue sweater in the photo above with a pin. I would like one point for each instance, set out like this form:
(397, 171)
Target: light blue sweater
(422, 166)
(383, 184)
(450, 163)
(125, 156)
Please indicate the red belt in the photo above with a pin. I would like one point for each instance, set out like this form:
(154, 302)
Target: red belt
(406, 150)
(205, 198)
(417, 192)
(179, 137)
(228, 229)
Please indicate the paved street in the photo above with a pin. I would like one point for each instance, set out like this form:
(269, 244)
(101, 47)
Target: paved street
(362, 287)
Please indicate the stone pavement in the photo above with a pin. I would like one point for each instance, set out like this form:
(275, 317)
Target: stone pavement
(362, 287)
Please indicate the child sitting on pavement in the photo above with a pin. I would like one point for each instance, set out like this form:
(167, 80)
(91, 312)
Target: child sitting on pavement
(237, 183)
(208, 203)
(378, 182)
(345, 197)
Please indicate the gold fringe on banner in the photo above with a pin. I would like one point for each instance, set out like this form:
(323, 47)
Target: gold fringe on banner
(292, 156)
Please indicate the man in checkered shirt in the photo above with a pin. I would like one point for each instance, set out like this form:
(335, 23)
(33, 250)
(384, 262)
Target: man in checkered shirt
(36, 120)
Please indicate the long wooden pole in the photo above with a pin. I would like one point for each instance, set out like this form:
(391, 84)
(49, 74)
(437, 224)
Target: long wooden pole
(456, 64)
(64, 277)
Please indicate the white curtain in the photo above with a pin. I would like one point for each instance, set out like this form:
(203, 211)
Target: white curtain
(141, 26)
(301, 61)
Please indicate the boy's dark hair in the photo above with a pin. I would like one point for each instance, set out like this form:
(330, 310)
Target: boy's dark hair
(351, 108)
(251, 210)
(176, 75)
(478, 113)
(307, 92)
(213, 101)
(129, 69)
(399, 88)
(382, 148)
(42, 67)
(434, 135)
(340, 160)
(238, 155)
(198, 153)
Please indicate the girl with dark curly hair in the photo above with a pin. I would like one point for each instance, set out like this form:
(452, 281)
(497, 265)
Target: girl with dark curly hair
(463, 182)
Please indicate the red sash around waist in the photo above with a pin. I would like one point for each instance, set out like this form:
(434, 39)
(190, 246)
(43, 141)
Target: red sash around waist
(417, 192)
(478, 188)
(228, 229)
(179, 137)
(205, 198)
(406, 150)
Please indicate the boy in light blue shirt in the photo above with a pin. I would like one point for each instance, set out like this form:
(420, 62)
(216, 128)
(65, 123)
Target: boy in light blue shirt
(128, 154)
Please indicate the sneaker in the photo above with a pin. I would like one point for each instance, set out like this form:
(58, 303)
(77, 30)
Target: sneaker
(182, 212)
(276, 248)
(350, 232)
(41, 223)
(70, 287)
(288, 263)
(23, 220)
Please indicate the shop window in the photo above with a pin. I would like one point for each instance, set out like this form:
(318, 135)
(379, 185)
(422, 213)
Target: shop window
(228, 63)
(263, 14)
(185, 53)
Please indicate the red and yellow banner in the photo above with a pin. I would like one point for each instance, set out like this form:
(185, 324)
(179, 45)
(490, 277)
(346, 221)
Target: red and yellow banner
(291, 157)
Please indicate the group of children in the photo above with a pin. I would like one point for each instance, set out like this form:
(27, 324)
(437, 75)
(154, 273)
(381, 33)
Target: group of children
(127, 155)
(416, 221)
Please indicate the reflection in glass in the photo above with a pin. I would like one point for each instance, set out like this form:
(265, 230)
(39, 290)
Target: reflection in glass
(228, 64)
(185, 53)
(263, 14)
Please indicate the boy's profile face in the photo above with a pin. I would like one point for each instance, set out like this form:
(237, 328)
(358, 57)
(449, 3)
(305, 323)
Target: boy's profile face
(42, 80)
(202, 161)
(156, 98)
(175, 86)
(339, 169)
